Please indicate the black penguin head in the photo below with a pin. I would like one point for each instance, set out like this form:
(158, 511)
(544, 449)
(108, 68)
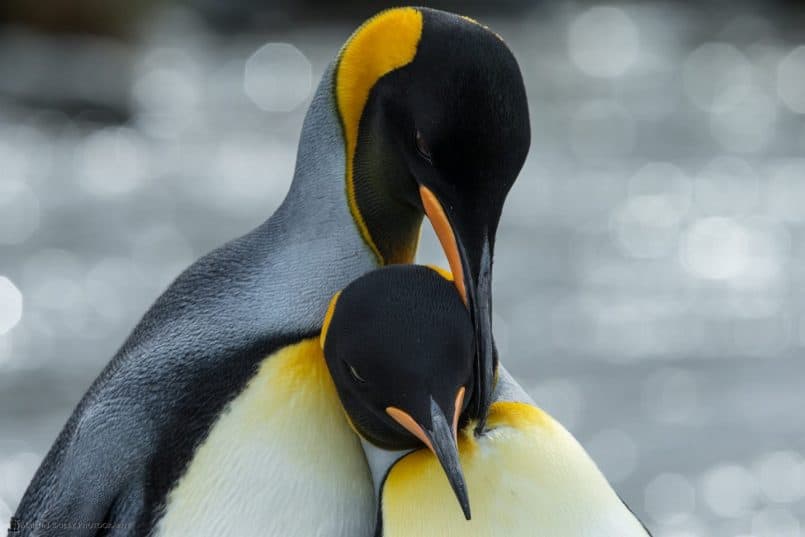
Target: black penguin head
(399, 345)
(443, 131)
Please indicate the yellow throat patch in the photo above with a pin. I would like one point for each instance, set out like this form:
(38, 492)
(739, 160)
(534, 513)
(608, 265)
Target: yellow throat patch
(526, 476)
(382, 44)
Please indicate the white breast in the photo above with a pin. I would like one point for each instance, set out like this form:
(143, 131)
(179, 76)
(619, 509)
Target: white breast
(280, 461)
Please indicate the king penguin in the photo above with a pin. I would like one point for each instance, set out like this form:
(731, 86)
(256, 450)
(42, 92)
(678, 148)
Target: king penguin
(399, 346)
(422, 112)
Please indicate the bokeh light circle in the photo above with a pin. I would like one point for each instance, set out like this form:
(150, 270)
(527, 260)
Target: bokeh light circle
(716, 76)
(791, 80)
(19, 212)
(603, 42)
(278, 77)
(10, 305)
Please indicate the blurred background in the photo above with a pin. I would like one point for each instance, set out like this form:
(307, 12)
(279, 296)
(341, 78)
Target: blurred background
(650, 269)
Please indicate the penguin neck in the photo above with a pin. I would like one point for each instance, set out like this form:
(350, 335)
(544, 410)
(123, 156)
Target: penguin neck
(317, 198)
(325, 193)
(380, 462)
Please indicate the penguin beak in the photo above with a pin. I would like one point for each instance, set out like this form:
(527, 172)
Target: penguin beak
(467, 240)
(442, 439)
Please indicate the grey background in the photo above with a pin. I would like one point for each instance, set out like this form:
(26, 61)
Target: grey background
(650, 261)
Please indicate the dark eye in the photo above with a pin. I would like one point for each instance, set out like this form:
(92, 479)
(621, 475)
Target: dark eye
(354, 373)
(422, 147)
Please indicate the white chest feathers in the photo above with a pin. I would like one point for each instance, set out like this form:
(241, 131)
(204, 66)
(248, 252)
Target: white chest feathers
(526, 477)
(280, 461)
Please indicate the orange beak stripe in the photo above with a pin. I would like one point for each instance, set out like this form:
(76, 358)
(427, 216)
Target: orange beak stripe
(447, 238)
(457, 411)
(409, 424)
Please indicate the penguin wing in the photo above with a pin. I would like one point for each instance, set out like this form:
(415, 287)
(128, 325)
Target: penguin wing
(81, 481)
(131, 436)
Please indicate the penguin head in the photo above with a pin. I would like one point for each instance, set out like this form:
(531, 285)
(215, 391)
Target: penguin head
(435, 121)
(399, 345)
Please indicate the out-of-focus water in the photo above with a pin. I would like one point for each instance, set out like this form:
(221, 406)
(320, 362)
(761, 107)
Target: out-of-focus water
(649, 267)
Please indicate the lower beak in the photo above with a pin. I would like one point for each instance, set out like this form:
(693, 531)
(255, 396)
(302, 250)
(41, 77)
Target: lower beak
(468, 247)
(441, 439)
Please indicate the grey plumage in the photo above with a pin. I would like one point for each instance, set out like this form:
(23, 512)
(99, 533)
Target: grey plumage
(508, 389)
(129, 438)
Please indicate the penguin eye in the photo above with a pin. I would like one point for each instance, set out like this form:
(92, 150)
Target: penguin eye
(422, 148)
(354, 373)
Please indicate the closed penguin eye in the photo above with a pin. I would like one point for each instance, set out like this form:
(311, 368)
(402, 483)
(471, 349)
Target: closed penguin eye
(354, 373)
(422, 147)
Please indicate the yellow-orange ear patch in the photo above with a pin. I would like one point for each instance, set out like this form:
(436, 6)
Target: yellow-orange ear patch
(385, 42)
(328, 317)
